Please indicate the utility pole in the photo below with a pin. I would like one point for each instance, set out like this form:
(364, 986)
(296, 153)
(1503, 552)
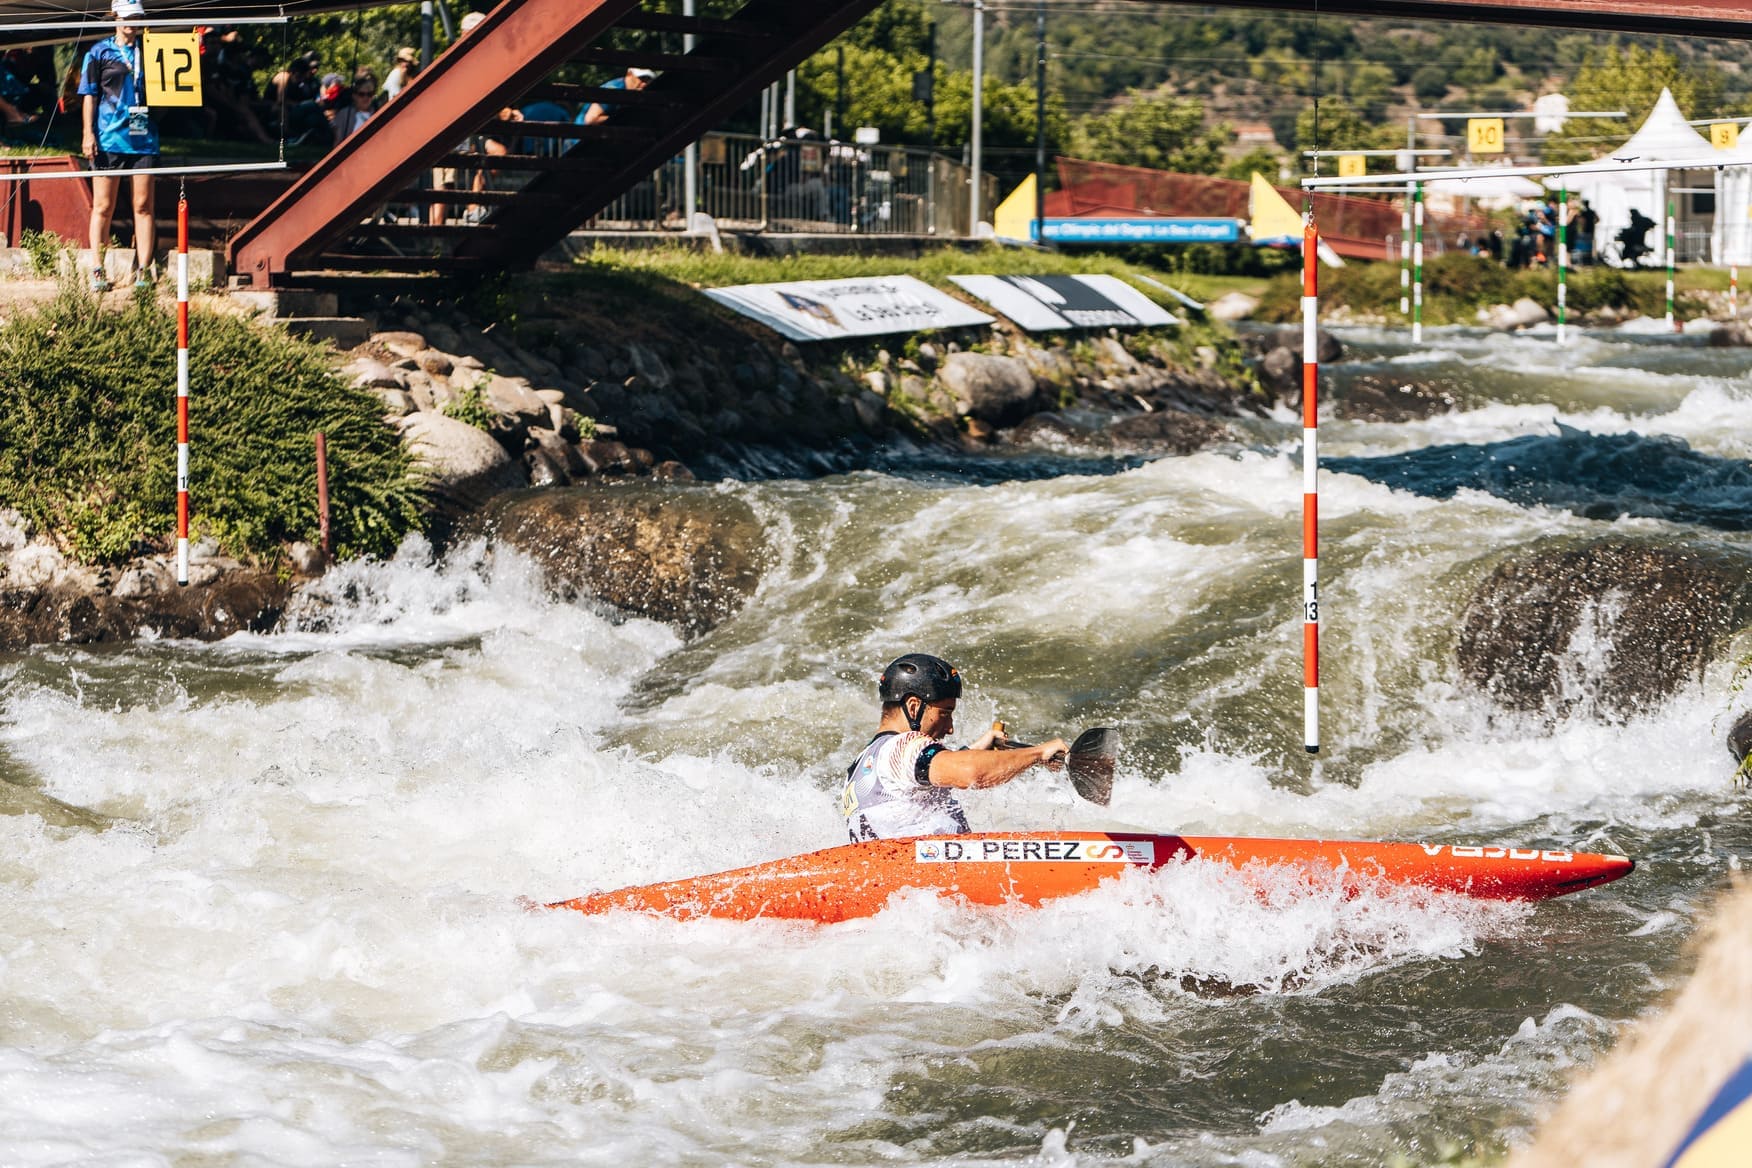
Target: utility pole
(978, 112)
(1040, 124)
(690, 165)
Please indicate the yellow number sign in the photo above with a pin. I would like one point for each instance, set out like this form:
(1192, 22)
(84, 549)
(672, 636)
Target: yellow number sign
(173, 68)
(1484, 135)
(1724, 135)
(1352, 166)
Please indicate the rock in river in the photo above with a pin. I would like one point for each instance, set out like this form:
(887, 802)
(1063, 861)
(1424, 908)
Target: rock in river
(1607, 628)
(684, 554)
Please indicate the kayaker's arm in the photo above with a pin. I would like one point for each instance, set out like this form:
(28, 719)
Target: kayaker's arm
(968, 769)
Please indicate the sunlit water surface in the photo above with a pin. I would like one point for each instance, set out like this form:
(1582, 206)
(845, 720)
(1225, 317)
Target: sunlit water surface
(262, 897)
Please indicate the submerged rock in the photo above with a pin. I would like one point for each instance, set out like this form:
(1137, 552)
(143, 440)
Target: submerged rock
(1608, 628)
(686, 555)
(1379, 397)
(1740, 737)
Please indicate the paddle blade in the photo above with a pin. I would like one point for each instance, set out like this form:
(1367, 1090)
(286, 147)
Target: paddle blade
(1091, 761)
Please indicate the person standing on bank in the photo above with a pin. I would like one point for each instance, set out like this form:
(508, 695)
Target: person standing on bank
(119, 136)
(901, 784)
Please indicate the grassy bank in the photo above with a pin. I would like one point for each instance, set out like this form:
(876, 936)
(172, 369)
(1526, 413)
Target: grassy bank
(1457, 286)
(704, 269)
(88, 441)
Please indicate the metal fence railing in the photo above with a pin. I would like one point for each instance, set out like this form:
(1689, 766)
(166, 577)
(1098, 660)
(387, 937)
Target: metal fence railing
(806, 186)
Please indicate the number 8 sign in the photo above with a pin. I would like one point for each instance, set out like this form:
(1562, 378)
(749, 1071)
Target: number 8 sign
(173, 68)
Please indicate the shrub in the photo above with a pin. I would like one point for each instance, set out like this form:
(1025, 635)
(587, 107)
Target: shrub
(88, 442)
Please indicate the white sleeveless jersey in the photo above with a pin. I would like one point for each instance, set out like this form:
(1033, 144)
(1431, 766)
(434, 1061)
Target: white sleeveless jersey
(883, 799)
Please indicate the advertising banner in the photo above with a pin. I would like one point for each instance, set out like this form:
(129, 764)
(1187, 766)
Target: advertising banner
(1041, 303)
(1144, 230)
(824, 310)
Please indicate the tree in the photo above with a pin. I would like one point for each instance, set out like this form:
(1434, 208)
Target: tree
(1160, 132)
(1630, 79)
(1341, 128)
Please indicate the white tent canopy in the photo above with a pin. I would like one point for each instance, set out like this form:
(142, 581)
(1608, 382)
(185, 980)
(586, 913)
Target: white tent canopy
(1732, 235)
(1663, 137)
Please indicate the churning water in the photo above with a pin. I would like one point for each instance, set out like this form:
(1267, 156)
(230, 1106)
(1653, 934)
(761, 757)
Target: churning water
(261, 898)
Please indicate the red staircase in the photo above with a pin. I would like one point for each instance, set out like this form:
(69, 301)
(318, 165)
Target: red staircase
(332, 219)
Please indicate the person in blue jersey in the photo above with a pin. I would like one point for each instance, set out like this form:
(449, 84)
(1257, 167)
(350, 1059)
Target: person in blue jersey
(597, 112)
(119, 136)
(903, 782)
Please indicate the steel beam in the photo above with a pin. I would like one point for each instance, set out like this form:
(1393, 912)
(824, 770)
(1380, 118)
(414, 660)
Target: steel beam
(807, 24)
(518, 44)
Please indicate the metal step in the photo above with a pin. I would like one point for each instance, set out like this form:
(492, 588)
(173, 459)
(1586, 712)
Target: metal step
(561, 164)
(624, 59)
(700, 26)
(374, 263)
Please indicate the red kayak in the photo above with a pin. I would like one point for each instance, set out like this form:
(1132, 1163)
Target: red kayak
(856, 880)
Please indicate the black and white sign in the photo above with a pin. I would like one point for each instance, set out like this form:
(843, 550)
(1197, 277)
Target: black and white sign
(1042, 303)
(822, 310)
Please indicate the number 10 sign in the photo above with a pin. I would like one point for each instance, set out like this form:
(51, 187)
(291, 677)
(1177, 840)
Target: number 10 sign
(173, 68)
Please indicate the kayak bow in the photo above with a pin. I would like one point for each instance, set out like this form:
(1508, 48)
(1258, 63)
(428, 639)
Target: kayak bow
(856, 880)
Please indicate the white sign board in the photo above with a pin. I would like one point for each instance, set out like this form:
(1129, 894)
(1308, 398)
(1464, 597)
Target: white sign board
(1041, 303)
(825, 310)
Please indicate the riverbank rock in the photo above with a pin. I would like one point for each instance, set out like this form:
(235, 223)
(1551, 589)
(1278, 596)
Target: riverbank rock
(464, 465)
(686, 555)
(147, 601)
(1167, 431)
(1606, 629)
(1523, 313)
(1232, 306)
(988, 387)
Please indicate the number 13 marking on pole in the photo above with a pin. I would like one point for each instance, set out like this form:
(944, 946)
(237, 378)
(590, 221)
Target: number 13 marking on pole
(173, 68)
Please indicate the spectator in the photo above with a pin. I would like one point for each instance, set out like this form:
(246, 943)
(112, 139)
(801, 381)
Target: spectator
(448, 178)
(294, 91)
(597, 112)
(118, 135)
(358, 107)
(1587, 222)
(406, 68)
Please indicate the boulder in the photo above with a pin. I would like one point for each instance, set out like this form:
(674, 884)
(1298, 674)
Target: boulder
(14, 531)
(1521, 314)
(369, 374)
(436, 363)
(683, 554)
(988, 387)
(1382, 397)
(1170, 431)
(1051, 430)
(229, 602)
(1280, 372)
(1608, 628)
(1232, 306)
(464, 466)
(1328, 349)
(402, 344)
(1740, 737)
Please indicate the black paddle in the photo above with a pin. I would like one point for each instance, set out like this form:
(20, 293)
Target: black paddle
(1089, 762)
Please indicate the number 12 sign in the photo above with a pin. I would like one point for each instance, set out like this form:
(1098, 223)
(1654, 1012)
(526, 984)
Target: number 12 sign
(173, 68)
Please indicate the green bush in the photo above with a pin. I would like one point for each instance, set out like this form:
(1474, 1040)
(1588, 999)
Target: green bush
(88, 441)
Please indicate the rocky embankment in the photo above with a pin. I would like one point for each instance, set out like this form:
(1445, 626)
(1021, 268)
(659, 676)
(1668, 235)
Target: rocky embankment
(579, 400)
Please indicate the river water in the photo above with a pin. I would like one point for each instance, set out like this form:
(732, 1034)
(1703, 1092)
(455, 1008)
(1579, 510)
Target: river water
(261, 897)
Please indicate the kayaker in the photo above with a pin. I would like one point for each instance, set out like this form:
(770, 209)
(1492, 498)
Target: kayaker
(902, 783)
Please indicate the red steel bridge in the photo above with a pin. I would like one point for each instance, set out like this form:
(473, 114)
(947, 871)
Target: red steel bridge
(709, 64)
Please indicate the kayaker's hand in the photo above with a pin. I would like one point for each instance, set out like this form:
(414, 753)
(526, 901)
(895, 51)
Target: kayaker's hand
(1053, 753)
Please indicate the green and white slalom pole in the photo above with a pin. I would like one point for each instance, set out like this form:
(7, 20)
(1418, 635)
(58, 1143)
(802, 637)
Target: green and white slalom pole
(1670, 317)
(1405, 254)
(1562, 257)
(1417, 216)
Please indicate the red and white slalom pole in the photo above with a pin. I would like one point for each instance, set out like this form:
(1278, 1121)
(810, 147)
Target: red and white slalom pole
(182, 390)
(1310, 497)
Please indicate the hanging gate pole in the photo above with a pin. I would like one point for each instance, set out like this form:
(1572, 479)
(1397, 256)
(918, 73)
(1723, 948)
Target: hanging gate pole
(1310, 498)
(1562, 256)
(182, 390)
(1417, 212)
